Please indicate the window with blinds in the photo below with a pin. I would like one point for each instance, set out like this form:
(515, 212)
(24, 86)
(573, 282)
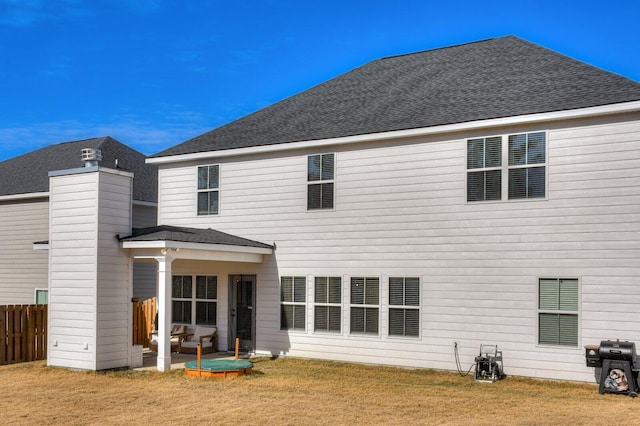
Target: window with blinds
(527, 158)
(327, 304)
(404, 306)
(558, 301)
(208, 189)
(292, 303)
(320, 181)
(365, 305)
(517, 168)
(484, 171)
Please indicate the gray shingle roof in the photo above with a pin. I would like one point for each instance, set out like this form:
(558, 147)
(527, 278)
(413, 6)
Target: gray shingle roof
(495, 78)
(190, 235)
(29, 173)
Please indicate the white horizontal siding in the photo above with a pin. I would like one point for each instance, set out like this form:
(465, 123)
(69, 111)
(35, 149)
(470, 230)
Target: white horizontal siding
(89, 312)
(23, 269)
(114, 291)
(401, 210)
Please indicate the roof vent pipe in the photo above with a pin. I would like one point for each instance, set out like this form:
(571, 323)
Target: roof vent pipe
(91, 156)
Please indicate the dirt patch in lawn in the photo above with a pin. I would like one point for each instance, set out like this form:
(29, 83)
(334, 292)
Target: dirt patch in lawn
(294, 391)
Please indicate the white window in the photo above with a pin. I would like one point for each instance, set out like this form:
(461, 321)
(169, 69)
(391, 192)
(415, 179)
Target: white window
(201, 303)
(404, 306)
(42, 296)
(208, 189)
(320, 181)
(327, 304)
(558, 312)
(365, 305)
(513, 170)
(292, 303)
(206, 299)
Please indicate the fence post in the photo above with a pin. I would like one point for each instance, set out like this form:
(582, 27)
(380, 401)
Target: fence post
(3, 335)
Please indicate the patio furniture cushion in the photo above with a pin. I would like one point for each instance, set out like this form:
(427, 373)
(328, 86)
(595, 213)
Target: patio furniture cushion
(203, 335)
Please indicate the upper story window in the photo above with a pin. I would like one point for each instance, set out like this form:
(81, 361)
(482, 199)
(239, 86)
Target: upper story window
(208, 189)
(516, 169)
(320, 181)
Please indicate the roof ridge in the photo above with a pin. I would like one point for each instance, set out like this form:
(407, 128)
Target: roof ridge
(449, 47)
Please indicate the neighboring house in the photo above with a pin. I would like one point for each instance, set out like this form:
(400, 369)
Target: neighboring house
(24, 214)
(486, 193)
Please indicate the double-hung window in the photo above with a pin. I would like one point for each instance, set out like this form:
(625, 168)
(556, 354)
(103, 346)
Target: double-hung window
(208, 189)
(200, 302)
(320, 181)
(527, 158)
(558, 312)
(181, 298)
(484, 169)
(327, 304)
(513, 170)
(404, 306)
(292, 303)
(206, 299)
(365, 305)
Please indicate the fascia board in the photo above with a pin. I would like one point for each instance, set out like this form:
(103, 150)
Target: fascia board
(401, 134)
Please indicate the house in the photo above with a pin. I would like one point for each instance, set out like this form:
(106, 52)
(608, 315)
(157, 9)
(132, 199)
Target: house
(419, 205)
(480, 193)
(34, 230)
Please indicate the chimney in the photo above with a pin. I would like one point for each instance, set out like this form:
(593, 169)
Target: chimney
(91, 156)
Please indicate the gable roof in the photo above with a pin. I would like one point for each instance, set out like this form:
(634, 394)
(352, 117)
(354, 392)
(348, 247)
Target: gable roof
(29, 173)
(495, 78)
(190, 235)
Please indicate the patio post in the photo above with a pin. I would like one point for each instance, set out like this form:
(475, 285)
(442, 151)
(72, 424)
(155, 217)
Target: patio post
(164, 313)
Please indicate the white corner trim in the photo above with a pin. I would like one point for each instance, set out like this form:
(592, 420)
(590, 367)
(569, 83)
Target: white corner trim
(399, 134)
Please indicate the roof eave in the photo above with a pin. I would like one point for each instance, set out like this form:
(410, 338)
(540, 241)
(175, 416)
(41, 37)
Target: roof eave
(618, 108)
(180, 245)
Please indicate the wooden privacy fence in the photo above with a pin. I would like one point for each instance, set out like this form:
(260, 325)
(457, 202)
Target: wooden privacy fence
(144, 315)
(23, 333)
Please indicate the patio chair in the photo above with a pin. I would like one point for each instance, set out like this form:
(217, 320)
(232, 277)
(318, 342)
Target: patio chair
(207, 337)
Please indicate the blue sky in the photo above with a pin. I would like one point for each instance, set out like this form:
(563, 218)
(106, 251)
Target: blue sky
(154, 73)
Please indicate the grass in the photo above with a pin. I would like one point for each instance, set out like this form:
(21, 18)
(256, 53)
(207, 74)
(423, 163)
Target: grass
(294, 391)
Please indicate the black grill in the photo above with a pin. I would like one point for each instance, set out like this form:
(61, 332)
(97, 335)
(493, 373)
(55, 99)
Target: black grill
(618, 361)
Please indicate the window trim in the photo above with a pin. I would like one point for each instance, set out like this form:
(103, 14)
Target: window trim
(505, 168)
(207, 190)
(321, 182)
(35, 295)
(194, 299)
(576, 313)
(302, 305)
(365, 306)
(404, 307)
(327, 304)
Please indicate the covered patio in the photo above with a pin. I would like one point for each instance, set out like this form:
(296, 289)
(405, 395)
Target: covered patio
(167, 244)
(150, 359)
